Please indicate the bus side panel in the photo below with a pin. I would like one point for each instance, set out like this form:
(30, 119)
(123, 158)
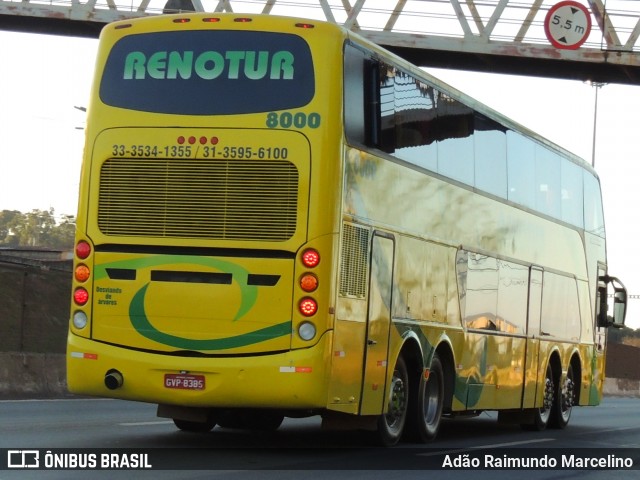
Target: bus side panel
(347, 356)
(420, 286)
(495, 367)
(597, 365)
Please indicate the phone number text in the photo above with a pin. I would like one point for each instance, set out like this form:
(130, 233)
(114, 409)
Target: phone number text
(188, 151)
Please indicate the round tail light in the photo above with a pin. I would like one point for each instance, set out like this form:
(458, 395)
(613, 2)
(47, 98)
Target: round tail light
(308, 282)
(310, 258)
(308, 307)
(80, 296)
(83, 249)
(82, 273)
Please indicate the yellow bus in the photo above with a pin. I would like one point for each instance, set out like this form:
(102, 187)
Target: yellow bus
(279, 218)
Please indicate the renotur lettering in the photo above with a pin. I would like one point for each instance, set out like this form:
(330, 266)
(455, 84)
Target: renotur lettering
(209, 65)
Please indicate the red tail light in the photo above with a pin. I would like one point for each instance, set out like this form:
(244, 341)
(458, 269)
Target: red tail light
(83, 249)
(308, 307)
(80, 296)
(310, 258)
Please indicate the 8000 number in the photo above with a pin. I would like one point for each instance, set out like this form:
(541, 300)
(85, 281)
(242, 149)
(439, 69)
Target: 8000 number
(297, 120)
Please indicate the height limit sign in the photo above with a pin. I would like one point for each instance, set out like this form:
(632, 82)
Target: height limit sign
(567, 25)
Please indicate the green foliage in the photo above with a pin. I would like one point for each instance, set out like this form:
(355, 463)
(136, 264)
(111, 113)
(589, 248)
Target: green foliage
(617, 335)
(37, 228)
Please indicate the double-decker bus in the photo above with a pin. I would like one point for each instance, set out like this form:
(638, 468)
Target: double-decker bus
(279, 218)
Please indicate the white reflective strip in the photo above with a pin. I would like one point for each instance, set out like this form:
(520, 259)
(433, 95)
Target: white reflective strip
(77, 354)
(287, 369)
(141, 424)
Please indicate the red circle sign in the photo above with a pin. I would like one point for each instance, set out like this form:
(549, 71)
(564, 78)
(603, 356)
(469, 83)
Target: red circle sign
(567, 25)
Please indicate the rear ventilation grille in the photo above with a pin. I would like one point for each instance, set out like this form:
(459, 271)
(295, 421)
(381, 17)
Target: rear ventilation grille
(188, 198)
(354, 261)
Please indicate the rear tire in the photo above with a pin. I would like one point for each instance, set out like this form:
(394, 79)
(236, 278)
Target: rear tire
(391, 424)
(431, 401)
(563, 401)
(542, 415)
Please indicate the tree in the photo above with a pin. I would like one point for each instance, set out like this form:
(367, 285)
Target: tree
(63, 234)
(37, 228)
(8, 218)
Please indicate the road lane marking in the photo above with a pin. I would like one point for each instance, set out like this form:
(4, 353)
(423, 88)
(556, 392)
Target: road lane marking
(139, 424)
(607, 430)
(485, 447)
(32, 400)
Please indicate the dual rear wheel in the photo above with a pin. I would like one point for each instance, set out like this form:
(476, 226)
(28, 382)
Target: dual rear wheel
(416, 414)
(558, 400)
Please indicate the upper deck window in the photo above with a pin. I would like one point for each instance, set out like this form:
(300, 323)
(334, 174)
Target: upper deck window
(206, 72)
(401, 114)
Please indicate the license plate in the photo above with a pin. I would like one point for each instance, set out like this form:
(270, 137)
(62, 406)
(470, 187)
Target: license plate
(184, 382)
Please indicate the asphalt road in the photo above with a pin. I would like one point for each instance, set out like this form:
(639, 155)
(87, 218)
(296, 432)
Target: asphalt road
(300, 448)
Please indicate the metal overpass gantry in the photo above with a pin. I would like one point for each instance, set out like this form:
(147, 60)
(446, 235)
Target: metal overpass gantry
(507, 36)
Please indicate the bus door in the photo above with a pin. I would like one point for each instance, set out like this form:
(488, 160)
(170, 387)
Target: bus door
(378, 324)
(533, 370)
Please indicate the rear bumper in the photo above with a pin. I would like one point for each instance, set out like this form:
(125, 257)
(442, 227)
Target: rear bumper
(294, 380)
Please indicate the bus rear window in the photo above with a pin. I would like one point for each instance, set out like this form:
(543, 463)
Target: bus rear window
(205, 72)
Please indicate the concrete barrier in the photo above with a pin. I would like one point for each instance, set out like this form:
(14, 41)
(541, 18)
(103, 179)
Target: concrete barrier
(621, 387)
(32, 375)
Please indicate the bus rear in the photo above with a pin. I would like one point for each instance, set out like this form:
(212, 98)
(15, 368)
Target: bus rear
(204, 240)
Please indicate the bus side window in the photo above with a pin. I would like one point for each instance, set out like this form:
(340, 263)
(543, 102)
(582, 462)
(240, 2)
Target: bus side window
(355, 122)
(368, 100)
(384, 101)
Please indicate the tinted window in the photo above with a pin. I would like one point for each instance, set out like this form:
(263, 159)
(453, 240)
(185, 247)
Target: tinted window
(415, 121)
(547, 182)
(493, 293)
(394, 111)
(512, 297)
(481, 291)
(354, 95)
(560, 307)
(521, 168)
(208, 72)
(571, 193)
(455, 132)
(490, 143)
(593, 216)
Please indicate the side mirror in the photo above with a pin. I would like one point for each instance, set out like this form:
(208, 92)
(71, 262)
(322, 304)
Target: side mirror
(619, 303)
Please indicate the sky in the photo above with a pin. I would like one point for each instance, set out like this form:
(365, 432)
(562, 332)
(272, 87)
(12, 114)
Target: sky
(41, 138)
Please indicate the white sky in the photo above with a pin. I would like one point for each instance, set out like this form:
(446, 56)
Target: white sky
(44, 77)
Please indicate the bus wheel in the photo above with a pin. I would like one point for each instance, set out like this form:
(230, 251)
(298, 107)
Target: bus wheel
(430, 401)
(564, 401)
(199, 427)
(542, 415)
(391, 424)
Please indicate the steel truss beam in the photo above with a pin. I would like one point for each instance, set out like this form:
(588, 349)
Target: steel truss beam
(493, 35)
